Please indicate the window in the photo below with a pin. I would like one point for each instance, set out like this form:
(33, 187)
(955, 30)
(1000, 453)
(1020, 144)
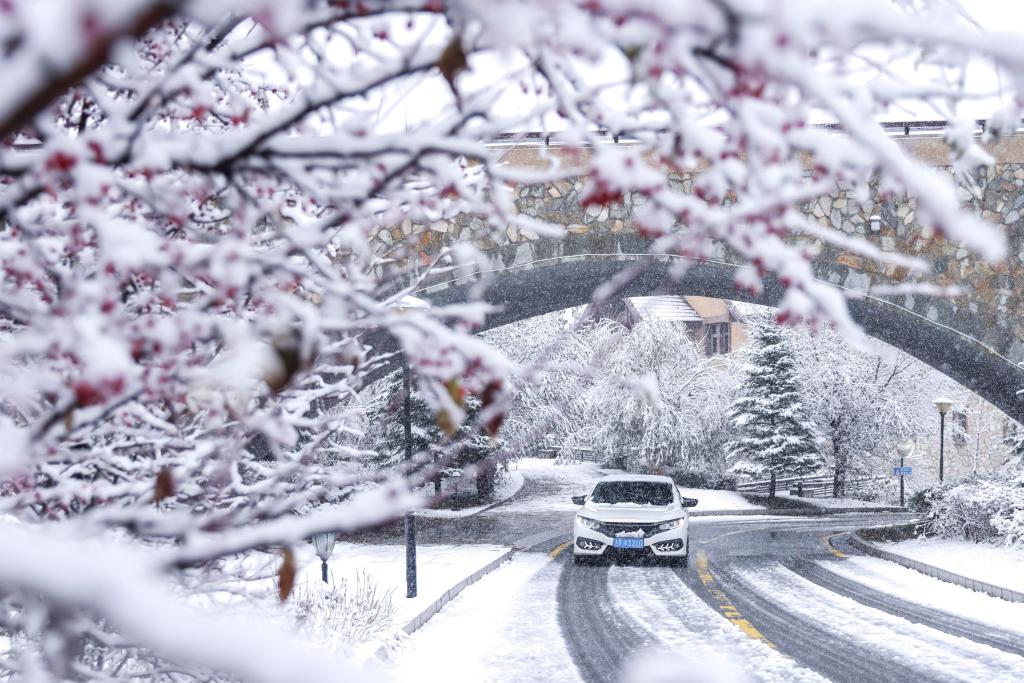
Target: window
(717, 338)
(636, 492)
(960, 434)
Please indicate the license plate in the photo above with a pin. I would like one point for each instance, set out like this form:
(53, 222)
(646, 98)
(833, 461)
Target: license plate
(628, 543)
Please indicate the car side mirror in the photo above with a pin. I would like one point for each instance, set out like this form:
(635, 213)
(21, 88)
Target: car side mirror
(579, 500)
(687, 502)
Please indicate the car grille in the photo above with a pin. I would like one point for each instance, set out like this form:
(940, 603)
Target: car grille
(613, 528)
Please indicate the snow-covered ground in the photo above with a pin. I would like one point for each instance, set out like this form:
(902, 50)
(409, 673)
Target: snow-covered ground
(438, 568)
(507, 487)
(503, 628)
(992, 564)
(675, 618)
(708, 499)
(551, 486)
(942, 656)
(908, 584)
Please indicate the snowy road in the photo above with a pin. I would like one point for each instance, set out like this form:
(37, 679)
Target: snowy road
(764, 599)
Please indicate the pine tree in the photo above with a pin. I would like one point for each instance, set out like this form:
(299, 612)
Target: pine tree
(1014, 441)
(776, 438)
(387, 434)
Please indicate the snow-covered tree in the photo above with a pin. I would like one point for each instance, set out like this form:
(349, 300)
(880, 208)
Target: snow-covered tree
(863, 399)
(775, 436)
(1014, 443)
(641, 399)
(211, 211)
(433, 435)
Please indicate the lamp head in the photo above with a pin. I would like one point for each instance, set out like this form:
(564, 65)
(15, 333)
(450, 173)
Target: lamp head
(943, 404)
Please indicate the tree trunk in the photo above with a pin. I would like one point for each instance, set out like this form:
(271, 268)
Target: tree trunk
(485, 479)
(771, 487)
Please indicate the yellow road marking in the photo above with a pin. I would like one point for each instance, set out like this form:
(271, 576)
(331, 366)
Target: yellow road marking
(725, 606)
(827, 541)
(554, 553)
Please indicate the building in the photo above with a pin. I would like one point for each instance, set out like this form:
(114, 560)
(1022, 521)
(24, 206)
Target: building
(715, 325)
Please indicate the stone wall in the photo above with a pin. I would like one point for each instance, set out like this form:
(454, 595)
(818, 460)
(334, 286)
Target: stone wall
(991, 308)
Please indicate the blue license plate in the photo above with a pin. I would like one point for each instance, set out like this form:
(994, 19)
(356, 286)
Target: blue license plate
(628, 543)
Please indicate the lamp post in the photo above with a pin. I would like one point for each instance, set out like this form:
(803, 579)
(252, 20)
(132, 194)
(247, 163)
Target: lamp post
(905, 449)
(324, 546)
(942, 405)
(407, 303)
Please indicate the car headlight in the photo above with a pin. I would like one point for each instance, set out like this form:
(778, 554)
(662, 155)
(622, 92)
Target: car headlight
(587, 522)
(671, 524)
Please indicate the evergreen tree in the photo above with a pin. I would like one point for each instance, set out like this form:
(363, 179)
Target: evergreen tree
(775, 435)
(387, 434)
(1014, 441)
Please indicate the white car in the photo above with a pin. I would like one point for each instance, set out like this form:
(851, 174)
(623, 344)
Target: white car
(634, 514)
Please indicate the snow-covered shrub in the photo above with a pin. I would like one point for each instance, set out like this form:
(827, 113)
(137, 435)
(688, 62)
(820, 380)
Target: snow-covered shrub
(982, 509)
(346, 614)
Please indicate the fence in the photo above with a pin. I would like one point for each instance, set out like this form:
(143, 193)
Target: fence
(813, 487)
(583, 454)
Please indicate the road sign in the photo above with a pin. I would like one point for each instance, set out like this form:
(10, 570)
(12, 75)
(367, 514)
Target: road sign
(902, 471)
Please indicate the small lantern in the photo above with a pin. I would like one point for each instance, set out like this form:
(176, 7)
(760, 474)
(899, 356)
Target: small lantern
(324, 546)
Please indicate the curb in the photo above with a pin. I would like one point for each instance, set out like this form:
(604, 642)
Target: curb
(433, 608)
(789, 512)
(942, 574)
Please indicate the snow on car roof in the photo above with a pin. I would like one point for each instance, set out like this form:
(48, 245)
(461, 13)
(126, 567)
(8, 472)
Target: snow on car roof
(637, 477)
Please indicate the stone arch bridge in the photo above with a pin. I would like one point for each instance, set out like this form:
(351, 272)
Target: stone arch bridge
(976, 338)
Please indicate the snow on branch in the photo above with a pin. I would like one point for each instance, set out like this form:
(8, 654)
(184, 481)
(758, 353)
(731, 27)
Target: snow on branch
(210, 213)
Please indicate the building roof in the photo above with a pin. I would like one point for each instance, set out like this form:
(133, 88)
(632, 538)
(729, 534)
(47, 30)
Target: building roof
(672, 308)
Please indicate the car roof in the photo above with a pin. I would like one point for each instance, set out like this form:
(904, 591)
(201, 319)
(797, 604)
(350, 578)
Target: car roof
(637, 477)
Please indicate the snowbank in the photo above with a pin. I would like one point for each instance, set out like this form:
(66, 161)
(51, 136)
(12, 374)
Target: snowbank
(708, 499)
(907, 584)
(551, 486)
(1000, 566)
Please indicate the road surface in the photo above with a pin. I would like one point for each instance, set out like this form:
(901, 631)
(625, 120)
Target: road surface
(760, 594)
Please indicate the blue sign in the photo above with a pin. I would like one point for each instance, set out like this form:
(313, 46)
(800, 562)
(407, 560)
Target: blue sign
(902, 471)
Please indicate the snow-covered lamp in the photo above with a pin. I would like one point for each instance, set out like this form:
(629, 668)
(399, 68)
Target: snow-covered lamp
(876, 222)
(324, 546)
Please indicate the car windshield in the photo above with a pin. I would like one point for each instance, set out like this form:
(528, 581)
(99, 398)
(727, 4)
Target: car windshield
(638, 492)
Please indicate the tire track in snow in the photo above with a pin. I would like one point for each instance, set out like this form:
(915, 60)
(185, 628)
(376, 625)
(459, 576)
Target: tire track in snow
(947, 622)
(599, 637)
(820, 648)
(895, 644)
(676, 619)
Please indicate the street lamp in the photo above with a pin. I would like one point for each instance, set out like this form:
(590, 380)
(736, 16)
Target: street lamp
(942, 405)
(905, 449)
(324, 546)
(408, 303)
(876, 222)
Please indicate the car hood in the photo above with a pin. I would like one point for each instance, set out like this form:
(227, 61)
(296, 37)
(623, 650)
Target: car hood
(630, 512)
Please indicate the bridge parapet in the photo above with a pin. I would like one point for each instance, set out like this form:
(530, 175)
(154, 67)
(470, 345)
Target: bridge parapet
(990, 308)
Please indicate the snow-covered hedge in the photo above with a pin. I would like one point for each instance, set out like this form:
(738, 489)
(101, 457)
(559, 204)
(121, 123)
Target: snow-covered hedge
(987, 508)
